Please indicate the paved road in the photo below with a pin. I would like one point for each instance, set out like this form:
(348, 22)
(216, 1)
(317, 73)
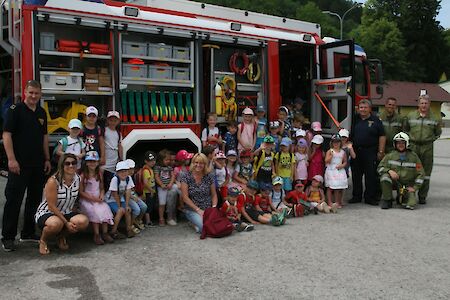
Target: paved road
(360, 253)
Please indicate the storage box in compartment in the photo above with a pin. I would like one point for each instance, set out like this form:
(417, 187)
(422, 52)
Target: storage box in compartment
(134, 48)
(160, 72)
(180, 73)
(104, 80)
(47, 41)
(137, 71)
(61, 81)
(91, 81)
(181, 53)
(160, 50)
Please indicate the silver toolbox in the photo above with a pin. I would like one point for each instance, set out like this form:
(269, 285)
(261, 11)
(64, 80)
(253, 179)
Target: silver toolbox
(70, 81)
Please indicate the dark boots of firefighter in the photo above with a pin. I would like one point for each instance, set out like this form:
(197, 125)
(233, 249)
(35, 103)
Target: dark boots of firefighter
(386, 204)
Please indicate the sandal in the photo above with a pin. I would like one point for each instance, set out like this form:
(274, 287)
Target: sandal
(43, 248)
(62, 243)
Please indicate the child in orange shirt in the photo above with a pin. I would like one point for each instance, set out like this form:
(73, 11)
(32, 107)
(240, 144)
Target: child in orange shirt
(316, 196)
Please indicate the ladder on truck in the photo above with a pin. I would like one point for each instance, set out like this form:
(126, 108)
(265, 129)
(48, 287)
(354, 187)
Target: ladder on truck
(10, 40)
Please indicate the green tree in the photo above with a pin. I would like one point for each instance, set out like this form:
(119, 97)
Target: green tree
(382, 39)
(310, 12)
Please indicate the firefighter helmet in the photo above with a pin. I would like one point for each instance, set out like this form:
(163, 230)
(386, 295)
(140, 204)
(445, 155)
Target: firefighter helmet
(401, 136)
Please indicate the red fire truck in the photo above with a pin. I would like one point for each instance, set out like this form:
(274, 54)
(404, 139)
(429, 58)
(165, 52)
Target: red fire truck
(164, 64)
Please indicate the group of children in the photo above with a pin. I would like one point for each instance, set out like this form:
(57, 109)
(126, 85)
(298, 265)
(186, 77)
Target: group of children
(283, 162)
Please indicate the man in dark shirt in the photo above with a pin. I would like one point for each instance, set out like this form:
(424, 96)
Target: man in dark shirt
(26, 145)
(368, 141)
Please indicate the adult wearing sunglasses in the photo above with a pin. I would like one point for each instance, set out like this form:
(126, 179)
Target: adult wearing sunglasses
(55, 215)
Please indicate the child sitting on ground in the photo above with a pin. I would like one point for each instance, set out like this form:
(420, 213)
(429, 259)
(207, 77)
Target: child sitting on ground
(247, 203)
(91, 199)
(138, 207)
(278, 194)
(118, 199)
(265, 201)
(296, 200)
(316, 196)
(230, 209)
(72, 143)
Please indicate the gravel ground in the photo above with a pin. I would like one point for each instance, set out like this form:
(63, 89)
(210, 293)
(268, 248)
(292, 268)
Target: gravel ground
(362, 252)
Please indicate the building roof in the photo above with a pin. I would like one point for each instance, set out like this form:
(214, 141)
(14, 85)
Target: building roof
(407, 92)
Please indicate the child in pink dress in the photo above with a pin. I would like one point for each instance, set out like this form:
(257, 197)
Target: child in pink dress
(91, 199)
(247, 131)
(316, 164)
(301, 160)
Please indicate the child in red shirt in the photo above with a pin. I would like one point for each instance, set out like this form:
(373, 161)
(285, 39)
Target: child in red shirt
(247, 205)
(265, 202)
(297, 200)
(230, 209)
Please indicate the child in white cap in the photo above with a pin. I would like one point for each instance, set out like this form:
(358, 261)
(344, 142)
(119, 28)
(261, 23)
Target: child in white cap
(247, 131)
(113, 145)
(72, 143)
(93, 135)
(316, 164)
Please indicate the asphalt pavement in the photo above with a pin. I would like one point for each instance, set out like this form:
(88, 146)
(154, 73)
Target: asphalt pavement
(362, 252)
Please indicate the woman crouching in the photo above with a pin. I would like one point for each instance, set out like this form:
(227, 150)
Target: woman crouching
(55, 215)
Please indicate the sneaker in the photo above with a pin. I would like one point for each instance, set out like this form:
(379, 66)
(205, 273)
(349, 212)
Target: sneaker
(409, 207)
(422, 201)
(386, 204)
(275, 221)
(316, 210)
(249, 227)
(354, 200)
(241, 227)
(172, 223)
(282, 216)
(8, 245)
(34, 238)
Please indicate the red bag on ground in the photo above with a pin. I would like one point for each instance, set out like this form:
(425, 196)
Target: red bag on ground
(215, 224)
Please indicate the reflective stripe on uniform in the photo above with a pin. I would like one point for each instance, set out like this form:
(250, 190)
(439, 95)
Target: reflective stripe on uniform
(394, 162)
(419, 181)
(386, 123)
(381, 169)
(424, 122)
(409, 165)
(427, 178)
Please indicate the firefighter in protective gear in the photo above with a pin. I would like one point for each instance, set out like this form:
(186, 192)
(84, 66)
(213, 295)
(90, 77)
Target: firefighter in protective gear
(392, 122)
(423, 128)
(400, 169)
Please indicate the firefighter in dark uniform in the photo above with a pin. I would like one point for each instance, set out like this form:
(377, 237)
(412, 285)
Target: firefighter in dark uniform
(423, 128)
(368, 142)
(401, 169)
(26, 145)
(392, 122)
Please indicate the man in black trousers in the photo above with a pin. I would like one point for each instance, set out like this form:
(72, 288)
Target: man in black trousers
(26, 145)
(369, 142)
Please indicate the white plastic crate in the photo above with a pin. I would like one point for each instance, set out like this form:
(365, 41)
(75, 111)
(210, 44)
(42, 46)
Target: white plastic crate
(47, 41)
(160, 72)
(180, 73)
(61, 80)
(137, 71)
(134, 48)
(180, 53)
(160, 50)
